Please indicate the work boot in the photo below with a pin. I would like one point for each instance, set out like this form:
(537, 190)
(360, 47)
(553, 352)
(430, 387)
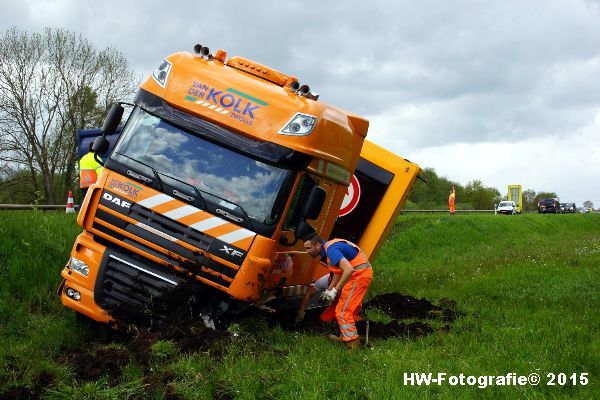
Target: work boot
(353, 344)
(334, 338)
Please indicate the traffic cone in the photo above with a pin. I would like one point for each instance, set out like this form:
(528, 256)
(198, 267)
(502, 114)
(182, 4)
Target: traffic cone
(70, 207)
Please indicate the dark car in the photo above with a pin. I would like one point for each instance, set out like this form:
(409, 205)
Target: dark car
(568, 207)
(549, 206)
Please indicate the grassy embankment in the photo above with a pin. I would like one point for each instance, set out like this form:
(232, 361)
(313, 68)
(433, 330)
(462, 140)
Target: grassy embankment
(528, 287)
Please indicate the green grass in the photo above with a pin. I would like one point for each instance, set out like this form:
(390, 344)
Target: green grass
(528, 287)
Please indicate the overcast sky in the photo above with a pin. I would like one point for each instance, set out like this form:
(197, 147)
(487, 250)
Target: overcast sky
(503, 91)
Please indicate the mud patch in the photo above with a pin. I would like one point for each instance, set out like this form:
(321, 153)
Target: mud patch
(187, 337)
(90, 363)
(396, 306)
(399, 306)
(40, 382)
(160, 383)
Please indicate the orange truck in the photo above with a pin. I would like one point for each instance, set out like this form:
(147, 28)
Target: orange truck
(222, 166)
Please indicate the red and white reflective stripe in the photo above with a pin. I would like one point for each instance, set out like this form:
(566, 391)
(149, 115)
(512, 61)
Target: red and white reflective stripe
(155, 200)
(181, 212)
(236, 236)
(209, 223)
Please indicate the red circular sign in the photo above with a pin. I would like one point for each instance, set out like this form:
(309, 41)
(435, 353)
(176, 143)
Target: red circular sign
(351, 198)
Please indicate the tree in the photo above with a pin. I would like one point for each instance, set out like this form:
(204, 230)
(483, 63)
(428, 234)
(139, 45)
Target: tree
(480, 196)
(52, 84)
(434, 193)
(588, 204)
(529, 203)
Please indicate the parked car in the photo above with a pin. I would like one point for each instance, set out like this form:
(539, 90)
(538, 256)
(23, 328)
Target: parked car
(549, 206)
(568, 207)
(507, 207)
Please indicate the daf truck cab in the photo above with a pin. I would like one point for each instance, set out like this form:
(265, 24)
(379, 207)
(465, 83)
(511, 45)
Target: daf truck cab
(219, 171)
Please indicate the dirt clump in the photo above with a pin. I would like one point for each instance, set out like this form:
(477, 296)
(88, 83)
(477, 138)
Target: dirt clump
(159, 383)
(39, 383)
(21, 392)
(187, 337)
(91, 363)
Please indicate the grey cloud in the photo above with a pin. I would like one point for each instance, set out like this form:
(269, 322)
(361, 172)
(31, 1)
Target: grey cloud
(427, 72)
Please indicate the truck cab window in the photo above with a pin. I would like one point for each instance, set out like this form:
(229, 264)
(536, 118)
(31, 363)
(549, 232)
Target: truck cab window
(294, 215)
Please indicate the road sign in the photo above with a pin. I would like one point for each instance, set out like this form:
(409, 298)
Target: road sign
(351, 198)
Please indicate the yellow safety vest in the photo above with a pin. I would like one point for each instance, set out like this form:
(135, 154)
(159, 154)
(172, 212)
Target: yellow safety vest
(89, 170)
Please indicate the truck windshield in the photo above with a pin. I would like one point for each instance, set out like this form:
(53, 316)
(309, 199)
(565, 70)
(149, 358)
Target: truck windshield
(228, 179)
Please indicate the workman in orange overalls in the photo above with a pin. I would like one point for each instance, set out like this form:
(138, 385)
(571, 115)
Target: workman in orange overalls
(352, 275)
(451, 200)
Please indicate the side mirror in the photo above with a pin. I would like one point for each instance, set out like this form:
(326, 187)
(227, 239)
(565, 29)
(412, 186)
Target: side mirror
(315, 202)
(100, 145)
(112, 119)
(303, 230)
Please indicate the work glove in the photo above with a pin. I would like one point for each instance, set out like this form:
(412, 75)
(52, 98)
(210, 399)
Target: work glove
(300, 316)
(328, 296)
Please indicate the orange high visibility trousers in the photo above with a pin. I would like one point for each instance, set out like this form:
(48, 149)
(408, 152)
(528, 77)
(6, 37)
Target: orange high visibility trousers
(350, 302)
(328, 314)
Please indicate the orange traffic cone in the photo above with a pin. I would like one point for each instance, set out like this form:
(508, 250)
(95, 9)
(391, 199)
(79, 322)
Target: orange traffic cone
(70, 207)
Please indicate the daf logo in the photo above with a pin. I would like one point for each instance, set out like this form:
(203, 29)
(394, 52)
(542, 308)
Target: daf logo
(231, 252)
(116, 200)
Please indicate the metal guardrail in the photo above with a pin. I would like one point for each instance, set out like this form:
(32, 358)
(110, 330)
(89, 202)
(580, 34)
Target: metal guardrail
(447, 212)
(34, 207)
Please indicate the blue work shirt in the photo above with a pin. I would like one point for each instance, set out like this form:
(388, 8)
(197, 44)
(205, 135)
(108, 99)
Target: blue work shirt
(337, 251)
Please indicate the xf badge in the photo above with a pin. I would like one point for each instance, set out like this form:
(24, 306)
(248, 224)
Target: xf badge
(231, 252)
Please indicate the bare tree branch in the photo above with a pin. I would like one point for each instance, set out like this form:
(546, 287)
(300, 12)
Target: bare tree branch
(51, 85)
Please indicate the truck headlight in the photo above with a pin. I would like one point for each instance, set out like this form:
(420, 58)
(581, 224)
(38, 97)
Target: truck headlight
(161, 73)
(73, 294)
(79, 266)
(300, 125)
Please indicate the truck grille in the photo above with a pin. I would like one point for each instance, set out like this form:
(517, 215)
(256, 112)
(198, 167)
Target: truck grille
(157, 227)
(126, 283)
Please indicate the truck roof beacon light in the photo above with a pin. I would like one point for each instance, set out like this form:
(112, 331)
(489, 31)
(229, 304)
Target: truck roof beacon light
(299, 125)
(304, 90)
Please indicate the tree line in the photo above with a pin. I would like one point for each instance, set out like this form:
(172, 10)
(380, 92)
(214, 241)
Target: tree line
(475, 195)
(51, 85)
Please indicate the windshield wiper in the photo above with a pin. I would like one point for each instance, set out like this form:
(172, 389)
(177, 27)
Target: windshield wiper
(183, 195)
(225, 213)
(141, 177)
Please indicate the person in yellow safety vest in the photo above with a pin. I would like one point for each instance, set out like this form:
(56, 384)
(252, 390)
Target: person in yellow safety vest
(89, 170)
(352, 275)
